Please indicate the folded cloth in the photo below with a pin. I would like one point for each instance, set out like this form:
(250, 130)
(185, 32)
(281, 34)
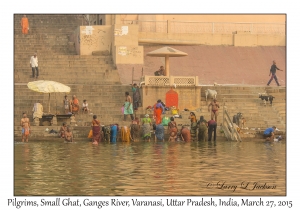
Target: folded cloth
(52, 131)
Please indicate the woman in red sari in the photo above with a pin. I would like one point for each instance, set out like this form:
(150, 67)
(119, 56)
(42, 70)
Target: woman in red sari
(96, 130)
(157, 110)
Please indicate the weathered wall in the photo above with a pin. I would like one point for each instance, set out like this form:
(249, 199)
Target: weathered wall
(126, 49)
(95, 38)
(77, 40)
(248, 40)
(280, 18)
(173, 38)
(187, 97)
(125, 35)
(213, 39)
(128, 54)
(220, 64)
(160, 32)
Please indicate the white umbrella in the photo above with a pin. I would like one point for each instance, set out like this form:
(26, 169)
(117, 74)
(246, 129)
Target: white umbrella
(45, 86)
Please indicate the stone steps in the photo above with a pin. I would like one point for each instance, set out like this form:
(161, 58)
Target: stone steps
(84, 74)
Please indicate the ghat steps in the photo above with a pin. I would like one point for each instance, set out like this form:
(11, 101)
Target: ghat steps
(96, 79)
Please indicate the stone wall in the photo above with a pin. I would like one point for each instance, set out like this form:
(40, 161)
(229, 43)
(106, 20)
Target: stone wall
(95, 38)
(188, 97)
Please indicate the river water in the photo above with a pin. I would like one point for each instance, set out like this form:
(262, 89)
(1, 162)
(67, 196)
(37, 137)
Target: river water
(150, 168)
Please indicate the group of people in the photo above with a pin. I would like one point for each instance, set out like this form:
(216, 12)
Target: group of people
(130, 105)
(186, 134)
(72, 106)
(66, 133)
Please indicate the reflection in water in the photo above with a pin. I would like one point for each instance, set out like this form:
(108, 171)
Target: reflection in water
(150, 168)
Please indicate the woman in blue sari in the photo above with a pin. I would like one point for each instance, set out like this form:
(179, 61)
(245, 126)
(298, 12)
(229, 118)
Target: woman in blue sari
(160, 132)
(113, 133)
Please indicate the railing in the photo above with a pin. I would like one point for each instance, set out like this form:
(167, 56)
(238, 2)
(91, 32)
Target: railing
(167, 81)
(208, 27)
(228, 127)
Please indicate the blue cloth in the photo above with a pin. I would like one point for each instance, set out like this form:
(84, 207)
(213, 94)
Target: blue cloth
(113, 134)
(159, 132)
(268, 131)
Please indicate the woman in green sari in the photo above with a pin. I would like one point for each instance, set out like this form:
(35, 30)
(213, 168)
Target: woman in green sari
(128, 106)
(146, 127)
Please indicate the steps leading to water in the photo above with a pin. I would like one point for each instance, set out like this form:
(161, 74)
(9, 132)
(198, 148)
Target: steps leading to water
(96, 79)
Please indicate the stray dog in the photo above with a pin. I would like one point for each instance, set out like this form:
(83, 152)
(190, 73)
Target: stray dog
(237, 118)
(266, 98)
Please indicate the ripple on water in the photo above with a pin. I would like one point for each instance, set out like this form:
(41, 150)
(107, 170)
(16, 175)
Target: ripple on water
(147, 168)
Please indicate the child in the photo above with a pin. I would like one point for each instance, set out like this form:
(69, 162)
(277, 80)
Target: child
(85, 107)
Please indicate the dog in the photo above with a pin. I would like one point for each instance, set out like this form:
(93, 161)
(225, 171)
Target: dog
(237, 118)
(266, 98)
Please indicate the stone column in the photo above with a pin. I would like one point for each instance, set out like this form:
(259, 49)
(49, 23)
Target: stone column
(167, 66)
(54, 120)
(73, 121)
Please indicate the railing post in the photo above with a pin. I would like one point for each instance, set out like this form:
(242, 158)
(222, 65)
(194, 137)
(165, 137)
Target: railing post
(132, 75)
(223, 111)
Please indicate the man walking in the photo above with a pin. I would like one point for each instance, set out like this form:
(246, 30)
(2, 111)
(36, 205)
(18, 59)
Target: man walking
(34, 66)
(273, 72)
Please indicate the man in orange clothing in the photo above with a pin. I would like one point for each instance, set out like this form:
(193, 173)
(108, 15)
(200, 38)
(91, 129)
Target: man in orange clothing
(25, 25)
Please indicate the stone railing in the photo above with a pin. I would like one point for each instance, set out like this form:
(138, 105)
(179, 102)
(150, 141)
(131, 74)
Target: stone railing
(208, 27)
(168, 81)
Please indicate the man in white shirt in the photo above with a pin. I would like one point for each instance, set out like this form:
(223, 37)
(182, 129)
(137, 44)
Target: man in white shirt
(34, 66)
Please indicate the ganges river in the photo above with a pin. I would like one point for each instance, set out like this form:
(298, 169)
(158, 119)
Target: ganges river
(221, 168)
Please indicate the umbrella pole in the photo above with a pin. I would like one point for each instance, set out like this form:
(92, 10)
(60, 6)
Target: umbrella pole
(55, 104)
(167, 65)
(49, 103)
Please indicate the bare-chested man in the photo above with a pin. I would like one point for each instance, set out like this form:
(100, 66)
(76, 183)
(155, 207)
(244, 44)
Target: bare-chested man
(214, 109)
(25, 124)
(68, 135)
